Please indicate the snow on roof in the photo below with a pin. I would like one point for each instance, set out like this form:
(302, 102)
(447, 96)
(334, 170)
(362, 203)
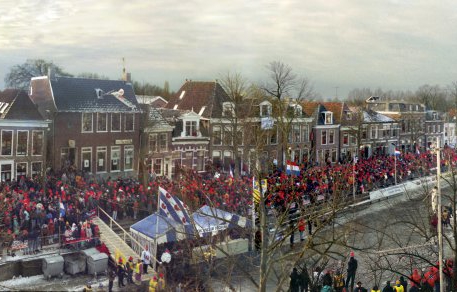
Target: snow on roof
(373, 116)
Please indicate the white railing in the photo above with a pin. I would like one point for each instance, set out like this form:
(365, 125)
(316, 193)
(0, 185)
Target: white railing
(135, 245)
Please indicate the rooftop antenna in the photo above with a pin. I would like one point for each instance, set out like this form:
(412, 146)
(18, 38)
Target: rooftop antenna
(124, 74)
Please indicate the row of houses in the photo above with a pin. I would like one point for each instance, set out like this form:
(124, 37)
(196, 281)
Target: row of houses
(99, 127)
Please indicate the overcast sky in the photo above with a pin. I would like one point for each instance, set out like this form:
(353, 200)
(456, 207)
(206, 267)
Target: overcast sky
(397, 45)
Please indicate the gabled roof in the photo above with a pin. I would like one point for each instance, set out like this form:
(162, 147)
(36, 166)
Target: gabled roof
(194, 95)
(93, 95)
(17, 105)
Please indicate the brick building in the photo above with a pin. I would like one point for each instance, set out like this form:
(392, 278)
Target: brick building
(95, 124)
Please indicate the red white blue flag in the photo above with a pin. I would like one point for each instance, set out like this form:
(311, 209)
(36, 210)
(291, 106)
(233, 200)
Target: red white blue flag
(292, 168)
(172, 207)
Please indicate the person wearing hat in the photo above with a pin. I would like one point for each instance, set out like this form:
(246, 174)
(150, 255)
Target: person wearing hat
(352, 269)
(153, 284)
(129, 267)
(360, 288)
(399, 287)
(388, 288)
(120, 273)
(161, 283)
(138, 270)
(375, 289)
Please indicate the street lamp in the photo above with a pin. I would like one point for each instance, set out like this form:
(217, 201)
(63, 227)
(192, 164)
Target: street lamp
(440, 227)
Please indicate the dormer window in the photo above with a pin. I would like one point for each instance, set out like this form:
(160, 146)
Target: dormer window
(435, 116)
(228, 109)
(265, 109)
(191, 128)
(328, 118)
(296, 110)
(349, 115)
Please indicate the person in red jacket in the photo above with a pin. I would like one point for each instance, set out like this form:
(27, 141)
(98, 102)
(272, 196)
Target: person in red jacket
(301, 228)
(415, 278)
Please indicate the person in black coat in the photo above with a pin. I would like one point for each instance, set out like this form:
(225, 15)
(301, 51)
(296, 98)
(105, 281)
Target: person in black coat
(388, 288)
(352, 269)
(304, 280)
(120, 273)
(294, 281)
(404, 283)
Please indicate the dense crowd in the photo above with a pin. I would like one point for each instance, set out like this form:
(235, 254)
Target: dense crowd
(62, 204)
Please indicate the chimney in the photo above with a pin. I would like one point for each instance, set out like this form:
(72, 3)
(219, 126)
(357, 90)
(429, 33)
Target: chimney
(51, 73)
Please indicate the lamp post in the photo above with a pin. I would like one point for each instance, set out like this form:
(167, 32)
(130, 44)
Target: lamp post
(440, 227)
(354, 161)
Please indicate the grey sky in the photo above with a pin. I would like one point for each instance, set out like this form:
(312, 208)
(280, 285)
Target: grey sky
(390, 44)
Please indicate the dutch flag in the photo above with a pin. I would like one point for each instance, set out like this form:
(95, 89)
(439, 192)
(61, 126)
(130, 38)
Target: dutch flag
(397, 152)
(292, 168)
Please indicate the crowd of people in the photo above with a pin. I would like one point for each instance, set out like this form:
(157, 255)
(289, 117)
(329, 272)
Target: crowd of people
(58, 207)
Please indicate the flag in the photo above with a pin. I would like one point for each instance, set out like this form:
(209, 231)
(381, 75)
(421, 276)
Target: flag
(292, 168)
(231, 172)
(397, 152)
(172, 207)
(417, 151)
(255, 191)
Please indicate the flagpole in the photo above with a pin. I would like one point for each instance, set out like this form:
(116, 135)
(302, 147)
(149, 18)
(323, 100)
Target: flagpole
(253, 216)
(157, 231)
(395, 165)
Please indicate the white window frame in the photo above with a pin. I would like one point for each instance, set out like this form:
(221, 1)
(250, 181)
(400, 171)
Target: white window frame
(125, 122)
(331, 133)
(127, 149)
(160, 140)
(200, 160)
(192, 129)
(86, 150)
(154, 166)
(328, 118)
(228, 109)
(106, 122)
(155, 147)
(101, 149)
(217, 129)
(26, 169)
(12, 143)
(120, 122)
(33, 173)
(267, 108)
(26, 144)
(91, 123)
(115, 149)
(346, 136)
(42, 142)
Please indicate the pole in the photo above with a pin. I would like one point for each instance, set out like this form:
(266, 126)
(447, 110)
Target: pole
(157, 232)
(353, 179)
(395, 167)
(440, 227)
(253, 216)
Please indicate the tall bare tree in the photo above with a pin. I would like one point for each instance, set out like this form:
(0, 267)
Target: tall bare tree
(19, 75)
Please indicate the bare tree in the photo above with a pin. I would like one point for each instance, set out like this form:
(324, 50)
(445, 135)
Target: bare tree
(20, 75)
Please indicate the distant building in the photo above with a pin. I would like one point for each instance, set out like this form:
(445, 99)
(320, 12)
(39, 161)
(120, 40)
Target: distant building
(411, 117)
(23, 141)
(95, 124)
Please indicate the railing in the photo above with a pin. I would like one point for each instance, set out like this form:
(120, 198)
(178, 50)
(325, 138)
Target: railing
(133, 241)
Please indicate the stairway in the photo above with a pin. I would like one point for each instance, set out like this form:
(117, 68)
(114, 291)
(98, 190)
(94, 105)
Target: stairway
(113, 241)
